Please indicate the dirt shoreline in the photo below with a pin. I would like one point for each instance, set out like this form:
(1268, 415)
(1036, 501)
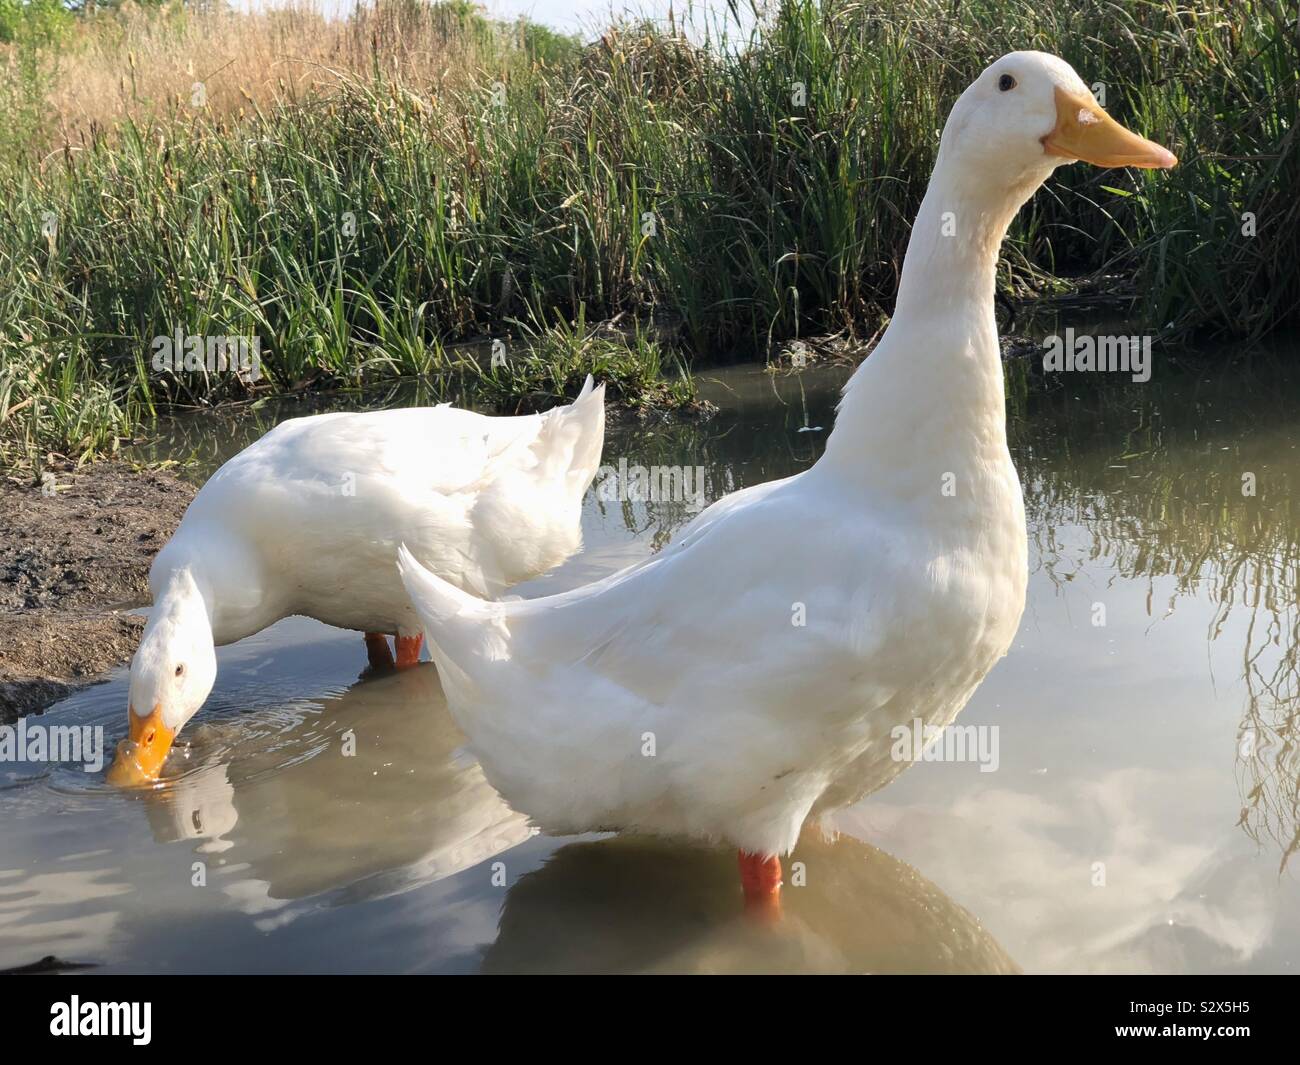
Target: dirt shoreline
(75, 552)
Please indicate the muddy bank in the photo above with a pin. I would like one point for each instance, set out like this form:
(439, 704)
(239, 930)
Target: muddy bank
(75, 552)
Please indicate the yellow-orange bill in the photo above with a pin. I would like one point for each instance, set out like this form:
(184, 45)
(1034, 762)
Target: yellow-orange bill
(1084, 131)
(141, 755)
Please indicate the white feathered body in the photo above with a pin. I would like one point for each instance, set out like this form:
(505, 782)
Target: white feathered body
(751, 674)
(307, 520)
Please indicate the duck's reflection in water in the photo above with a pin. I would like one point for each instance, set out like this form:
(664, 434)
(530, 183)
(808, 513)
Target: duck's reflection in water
(628, 904)
(287, 821)
(371, 793)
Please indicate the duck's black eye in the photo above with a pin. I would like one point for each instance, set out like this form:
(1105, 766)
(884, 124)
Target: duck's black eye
(1006, 83)
(180, 670)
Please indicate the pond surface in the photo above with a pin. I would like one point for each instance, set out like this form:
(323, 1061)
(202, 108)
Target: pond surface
(1141, 817)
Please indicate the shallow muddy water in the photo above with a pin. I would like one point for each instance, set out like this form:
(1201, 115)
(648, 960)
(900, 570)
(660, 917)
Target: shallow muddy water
(1140, 818)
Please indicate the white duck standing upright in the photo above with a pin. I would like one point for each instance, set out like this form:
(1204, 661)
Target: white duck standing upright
(749, 676)
(308, 519)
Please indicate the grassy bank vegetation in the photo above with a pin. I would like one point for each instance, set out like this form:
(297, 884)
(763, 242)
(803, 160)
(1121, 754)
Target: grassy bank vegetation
(367, 196)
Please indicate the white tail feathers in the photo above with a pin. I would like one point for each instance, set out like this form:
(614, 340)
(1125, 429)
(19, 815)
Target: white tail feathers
(571, 438)
(463, 631)
(434, 598)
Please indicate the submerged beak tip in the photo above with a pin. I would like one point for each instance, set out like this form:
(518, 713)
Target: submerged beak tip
(140, 757)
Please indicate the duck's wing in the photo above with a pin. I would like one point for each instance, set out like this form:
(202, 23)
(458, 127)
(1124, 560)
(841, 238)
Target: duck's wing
(696, 605)
(438, 449)
(715, 652)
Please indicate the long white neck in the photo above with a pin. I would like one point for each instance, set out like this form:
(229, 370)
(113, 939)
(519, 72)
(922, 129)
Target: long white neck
(182, 594)
(929, 399)
(182, 575)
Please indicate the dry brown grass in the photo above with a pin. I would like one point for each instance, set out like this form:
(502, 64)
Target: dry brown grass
(183, 64)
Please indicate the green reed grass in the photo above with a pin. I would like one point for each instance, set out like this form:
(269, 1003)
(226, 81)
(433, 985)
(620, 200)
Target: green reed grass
(363, 233)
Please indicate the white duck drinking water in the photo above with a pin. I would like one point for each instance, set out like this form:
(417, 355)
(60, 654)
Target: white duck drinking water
(308, 519)
(749, 676)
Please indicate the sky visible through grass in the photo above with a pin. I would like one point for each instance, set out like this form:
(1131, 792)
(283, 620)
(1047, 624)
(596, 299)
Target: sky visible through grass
(586, 18)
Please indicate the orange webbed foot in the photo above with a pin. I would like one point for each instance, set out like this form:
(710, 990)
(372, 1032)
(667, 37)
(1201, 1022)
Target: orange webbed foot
(760, 876)
(408, 650)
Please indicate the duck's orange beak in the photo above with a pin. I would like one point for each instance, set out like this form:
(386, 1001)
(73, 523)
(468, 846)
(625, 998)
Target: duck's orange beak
(141, 755)
(1084, 131)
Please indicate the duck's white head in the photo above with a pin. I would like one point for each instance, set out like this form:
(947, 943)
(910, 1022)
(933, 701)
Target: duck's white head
(172, 674)
(1028, 113)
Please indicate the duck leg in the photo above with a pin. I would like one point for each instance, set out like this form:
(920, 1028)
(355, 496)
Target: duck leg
(408, 650)
(760, 876)
(377, 651)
